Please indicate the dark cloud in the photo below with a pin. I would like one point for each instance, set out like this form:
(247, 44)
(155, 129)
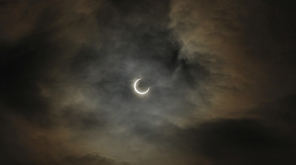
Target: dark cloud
(245, 142)
(22, 68)
(91, 160)
(237, 43)
(221, 78)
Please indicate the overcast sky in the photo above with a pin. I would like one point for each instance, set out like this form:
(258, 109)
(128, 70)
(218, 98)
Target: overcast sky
(221, 76)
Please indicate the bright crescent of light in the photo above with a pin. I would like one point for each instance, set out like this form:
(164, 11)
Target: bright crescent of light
(135, 86)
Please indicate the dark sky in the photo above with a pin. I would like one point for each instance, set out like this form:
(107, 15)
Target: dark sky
(221, 73)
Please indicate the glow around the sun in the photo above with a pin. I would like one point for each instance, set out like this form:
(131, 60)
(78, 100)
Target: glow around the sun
(135, 87)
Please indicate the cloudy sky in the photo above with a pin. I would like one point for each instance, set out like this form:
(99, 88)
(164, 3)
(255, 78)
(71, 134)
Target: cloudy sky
(221, 75)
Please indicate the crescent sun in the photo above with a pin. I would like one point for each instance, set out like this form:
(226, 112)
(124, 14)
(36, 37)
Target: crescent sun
(135, 87)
